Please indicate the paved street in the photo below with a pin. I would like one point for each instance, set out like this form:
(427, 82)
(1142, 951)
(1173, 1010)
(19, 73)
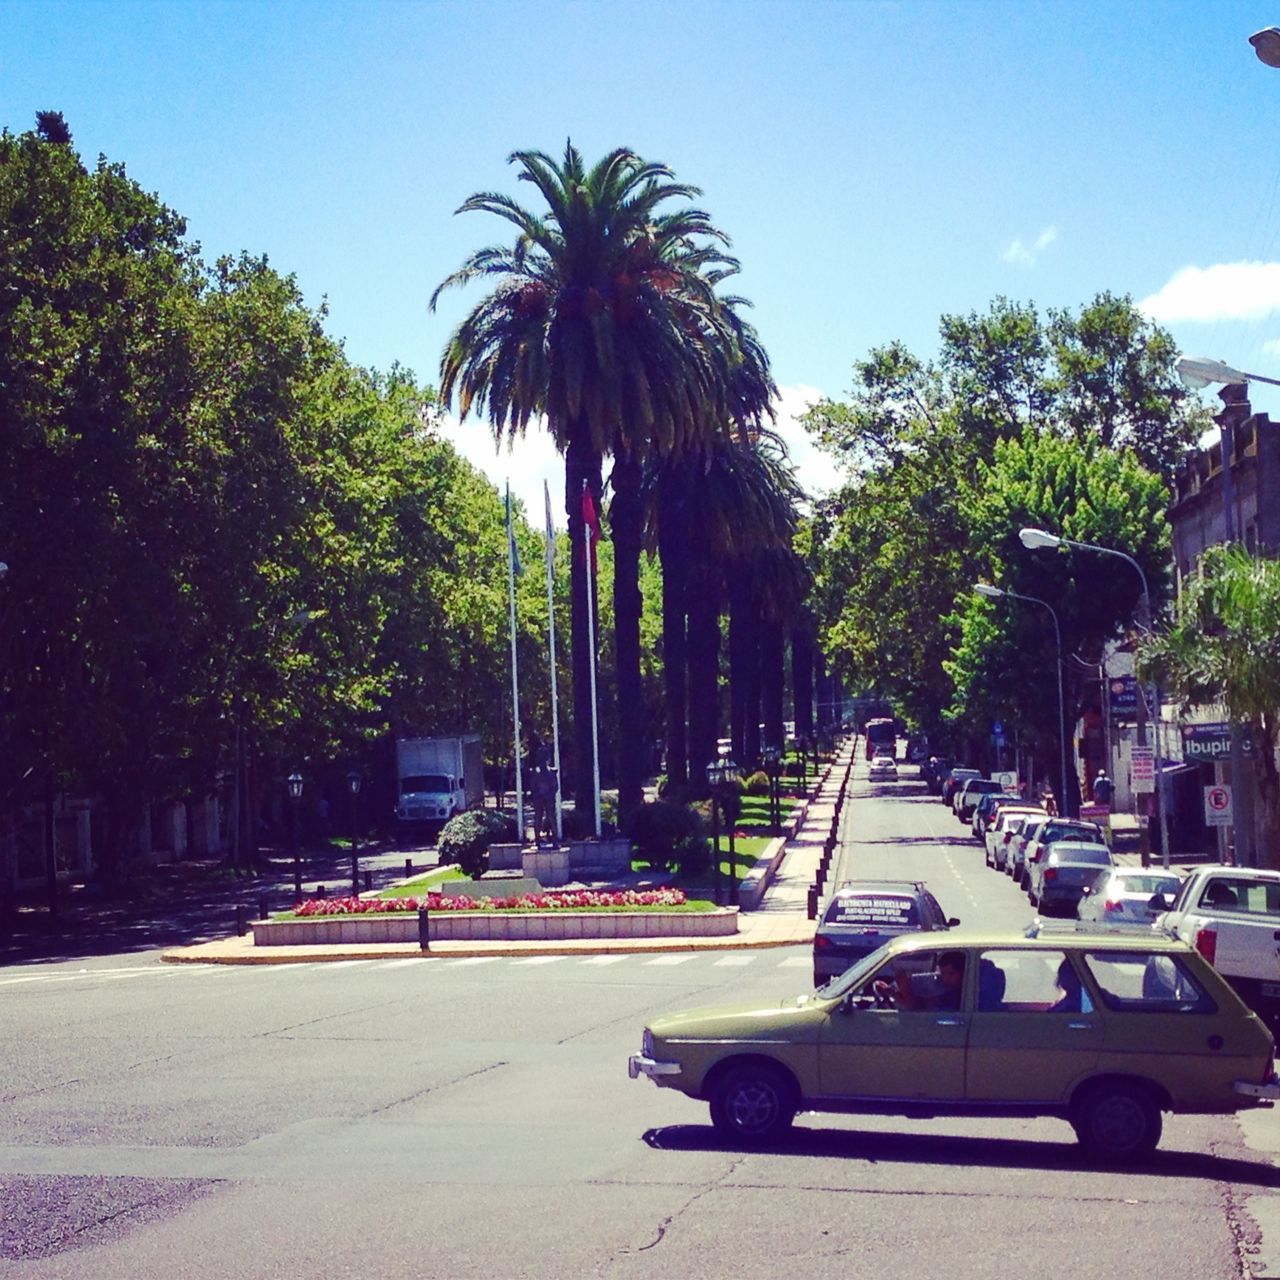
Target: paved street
(472, 1117)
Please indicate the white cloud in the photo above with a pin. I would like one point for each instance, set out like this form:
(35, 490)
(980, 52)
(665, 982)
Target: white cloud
(1225, 291)
(1272, 346)
(1022, 255)
(815, 470)
(533, 458)
(529, 461)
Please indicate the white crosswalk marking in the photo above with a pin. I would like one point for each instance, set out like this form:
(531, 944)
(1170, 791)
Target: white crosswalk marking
(603, 960)
(398, 964)
(538, 960)
(471, 961)
(732, 962)
(795, 962)
(682, 959)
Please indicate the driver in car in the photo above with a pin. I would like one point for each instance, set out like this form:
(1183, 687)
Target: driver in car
(941, 990)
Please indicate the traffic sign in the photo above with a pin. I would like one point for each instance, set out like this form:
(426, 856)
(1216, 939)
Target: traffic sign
(1217, 806)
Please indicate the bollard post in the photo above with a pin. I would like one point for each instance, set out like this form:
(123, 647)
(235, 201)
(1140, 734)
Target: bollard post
(813, 902)
(242, 920)
(408, 868)
(424, 929)
(262, 906)
(368, 880)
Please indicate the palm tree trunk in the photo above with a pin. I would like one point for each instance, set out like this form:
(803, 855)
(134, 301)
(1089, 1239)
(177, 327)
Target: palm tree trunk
(802, 680)
(741, 652)
(673, 547)
(704, 671)
(581, 463)
(772, 678)
(626, 523)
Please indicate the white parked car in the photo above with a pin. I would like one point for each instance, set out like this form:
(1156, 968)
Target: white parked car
(1009, 822)
(1124, 896)
(883, 769)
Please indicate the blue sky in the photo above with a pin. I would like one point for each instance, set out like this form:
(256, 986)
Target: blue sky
(877, 164)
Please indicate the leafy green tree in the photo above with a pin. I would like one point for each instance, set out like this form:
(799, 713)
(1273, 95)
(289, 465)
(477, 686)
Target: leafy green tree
(897, 544)
(1005, 655)
(1223, 645)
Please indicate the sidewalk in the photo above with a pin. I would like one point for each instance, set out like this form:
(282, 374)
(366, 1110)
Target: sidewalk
(782, 920)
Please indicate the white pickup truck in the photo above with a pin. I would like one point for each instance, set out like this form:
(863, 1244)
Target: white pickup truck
(1231, 916)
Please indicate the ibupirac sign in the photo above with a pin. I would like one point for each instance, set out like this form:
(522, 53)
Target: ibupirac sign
(1212, 741)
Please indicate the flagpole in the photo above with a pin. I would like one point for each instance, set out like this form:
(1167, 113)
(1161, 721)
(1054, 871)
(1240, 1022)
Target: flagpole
(515, 676)
(551, 643)
(591, 648)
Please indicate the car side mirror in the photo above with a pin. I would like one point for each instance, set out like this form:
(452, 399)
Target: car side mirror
(1086, 891)
(953, 922)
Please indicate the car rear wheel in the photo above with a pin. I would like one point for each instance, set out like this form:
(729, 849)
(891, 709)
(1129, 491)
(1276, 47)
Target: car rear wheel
(1117, 1122)
(752, 1103)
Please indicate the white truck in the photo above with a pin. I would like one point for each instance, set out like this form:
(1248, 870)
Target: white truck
(1231, 915)
(437, 777)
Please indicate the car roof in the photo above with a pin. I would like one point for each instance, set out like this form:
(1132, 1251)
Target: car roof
(1103, 938)
(1066, 846)
(880, 886)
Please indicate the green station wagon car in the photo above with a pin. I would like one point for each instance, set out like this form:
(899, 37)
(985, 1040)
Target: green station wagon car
(1105, 1031)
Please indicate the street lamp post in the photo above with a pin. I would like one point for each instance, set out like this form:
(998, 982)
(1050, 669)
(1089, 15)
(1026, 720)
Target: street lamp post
(1197, 372)
(353, 785)
(1035, 539)
(295, 796)
(996, 593)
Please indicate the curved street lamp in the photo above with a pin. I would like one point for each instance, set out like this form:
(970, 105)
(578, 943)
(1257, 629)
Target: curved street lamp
(996, 593)
(1266, 44)
(1034, 539)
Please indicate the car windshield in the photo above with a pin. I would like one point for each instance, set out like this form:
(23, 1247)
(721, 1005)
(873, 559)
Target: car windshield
(1096, 855)
(1146, 885)
(869, 911)
(1069, 830)
(853, 976)
(425, 782)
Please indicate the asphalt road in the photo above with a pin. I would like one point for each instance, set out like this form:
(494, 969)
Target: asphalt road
(458, 1118)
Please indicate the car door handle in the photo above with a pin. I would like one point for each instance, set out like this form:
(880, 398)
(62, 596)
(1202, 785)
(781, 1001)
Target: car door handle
(951, 1022)
(1080, 1026)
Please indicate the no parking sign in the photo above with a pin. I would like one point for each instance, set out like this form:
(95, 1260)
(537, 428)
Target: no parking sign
(1217, 806)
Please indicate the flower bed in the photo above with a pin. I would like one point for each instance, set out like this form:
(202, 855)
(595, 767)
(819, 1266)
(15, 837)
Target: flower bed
(570, 900)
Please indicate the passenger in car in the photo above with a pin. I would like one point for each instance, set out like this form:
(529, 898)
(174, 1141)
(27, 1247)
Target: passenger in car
(1072, 997)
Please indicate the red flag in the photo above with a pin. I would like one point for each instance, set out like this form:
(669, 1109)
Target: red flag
(591, 519)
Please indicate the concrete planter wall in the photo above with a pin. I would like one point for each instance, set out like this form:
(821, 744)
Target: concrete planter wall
(485, 926)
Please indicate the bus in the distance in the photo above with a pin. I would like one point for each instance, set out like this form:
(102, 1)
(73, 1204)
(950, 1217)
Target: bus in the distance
(882, 737)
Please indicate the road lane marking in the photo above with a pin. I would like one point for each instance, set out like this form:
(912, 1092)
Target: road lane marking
(602, 960)
(732, 961)
(472, 961)
(795, 962)
(670, 960)
(539, 960)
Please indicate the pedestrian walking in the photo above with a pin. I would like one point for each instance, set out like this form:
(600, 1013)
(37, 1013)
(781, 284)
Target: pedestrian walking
(1050, 804)
(1102, 788)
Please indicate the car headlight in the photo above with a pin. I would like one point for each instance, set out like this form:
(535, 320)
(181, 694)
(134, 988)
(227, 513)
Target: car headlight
(646, 1043)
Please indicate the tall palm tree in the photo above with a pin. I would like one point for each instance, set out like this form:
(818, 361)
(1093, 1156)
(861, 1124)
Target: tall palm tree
(603, 319)
(742, 503)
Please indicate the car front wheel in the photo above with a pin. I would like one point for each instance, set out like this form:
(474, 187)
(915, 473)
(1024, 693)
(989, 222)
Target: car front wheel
(1117, 1122)
(752, 1103)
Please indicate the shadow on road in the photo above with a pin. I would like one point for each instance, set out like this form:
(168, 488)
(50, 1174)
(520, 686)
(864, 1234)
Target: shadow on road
(994, 1153)
(178, 904)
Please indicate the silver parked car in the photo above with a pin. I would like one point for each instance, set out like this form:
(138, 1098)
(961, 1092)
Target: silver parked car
(1059, 878)
(1123, 896)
